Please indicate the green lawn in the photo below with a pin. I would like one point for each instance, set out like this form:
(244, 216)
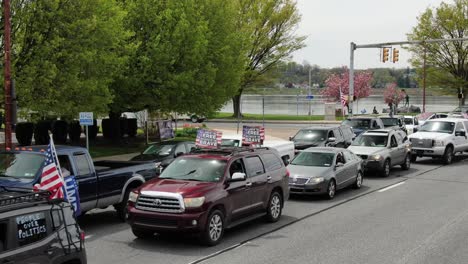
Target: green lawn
(223, 115)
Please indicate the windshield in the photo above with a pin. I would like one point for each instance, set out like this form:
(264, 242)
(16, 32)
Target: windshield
(230, 143)
(315, 159)
(309, 135)
(20, 165)
(388, 122)
(371, 141)
(195, 169)
(357, 123)
(438, 126)
(159, 150)
(408, 121)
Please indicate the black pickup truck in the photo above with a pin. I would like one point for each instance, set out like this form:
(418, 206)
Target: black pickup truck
(100, 184)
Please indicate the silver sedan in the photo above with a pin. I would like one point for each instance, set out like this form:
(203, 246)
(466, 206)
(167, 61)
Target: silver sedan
(324, 171)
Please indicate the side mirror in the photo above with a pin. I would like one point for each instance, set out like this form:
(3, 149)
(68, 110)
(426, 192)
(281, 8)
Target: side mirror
(291, 138)
(238, 176)
(159, 169)
(331, 140)
(339, 165)
(460, 133)
(178, 154)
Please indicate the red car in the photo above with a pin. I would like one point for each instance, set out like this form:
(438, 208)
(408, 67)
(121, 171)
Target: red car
(209, 191)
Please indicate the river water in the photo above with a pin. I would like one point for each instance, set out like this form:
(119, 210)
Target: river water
(299, 105)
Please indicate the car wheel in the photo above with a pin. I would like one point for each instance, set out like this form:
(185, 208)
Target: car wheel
(122, 210)
(448, 155)
(214, 228)
(142, 233)
(275, 207)
(407, 163)
(358, 182)
(386, 168)
(414, 158)
(194, 119)
(331, 189)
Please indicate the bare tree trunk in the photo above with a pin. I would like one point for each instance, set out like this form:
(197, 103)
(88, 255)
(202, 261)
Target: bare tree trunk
(236, 100)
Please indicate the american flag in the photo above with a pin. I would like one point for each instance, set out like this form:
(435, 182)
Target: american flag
(208, 138)
(51, 178)
(343, 99)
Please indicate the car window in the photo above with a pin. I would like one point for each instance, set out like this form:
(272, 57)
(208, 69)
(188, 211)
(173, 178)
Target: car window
(271, 162)
(399, 138)
(459, 127)
(82, 164)
(180, 148)
(416, 121)
(254, 166)
(340, 158)
(393, 141)
(374, 124)
(236, 166)
(331, 134)
(348, 156)
(65, 165)
(338, 135)
(314, 159)
(370, 140)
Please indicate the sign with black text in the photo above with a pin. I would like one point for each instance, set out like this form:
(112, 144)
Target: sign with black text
(166, 130)
(208, 138)
(253, 135)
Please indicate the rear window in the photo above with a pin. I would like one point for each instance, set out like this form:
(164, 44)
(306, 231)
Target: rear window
(389, 121)
(254, 166)
(271, 162)
(314, 159)
(358, 123)
(20, 165)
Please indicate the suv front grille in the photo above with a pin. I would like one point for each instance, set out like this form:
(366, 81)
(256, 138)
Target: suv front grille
(421, 143)
(159, 204)
(297, 181)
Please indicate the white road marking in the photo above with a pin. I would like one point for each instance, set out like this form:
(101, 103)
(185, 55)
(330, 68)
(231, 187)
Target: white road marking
(391, 187)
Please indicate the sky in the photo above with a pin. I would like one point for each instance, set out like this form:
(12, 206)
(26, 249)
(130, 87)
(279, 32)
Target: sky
(330, 26)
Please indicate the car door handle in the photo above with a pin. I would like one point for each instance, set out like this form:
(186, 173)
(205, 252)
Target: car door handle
(249, 184)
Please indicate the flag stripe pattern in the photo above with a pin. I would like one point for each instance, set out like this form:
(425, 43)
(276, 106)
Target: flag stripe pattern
(50, 177)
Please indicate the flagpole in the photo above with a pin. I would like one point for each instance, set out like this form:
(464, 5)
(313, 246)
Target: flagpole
(54, 152)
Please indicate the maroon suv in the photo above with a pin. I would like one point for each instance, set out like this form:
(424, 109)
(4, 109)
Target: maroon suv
(209, 191)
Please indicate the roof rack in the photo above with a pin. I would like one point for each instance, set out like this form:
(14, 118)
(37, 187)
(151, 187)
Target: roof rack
(228, 150)
(20, 197)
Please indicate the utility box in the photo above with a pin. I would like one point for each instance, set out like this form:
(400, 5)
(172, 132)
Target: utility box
(330, 111)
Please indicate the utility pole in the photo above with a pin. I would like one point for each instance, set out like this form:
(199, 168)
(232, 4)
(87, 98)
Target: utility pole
(386, 44)
(310, 93)
(7, 73)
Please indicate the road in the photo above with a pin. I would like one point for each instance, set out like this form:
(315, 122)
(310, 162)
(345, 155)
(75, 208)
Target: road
(415, 216)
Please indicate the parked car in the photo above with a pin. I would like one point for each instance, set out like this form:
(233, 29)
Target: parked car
(324, 171)
(285, 148)
(460, 109)
(429, 116)
(360, 124)
(209, 191)
(321, 136)
(396, 122)
(440, 138)
(165, 152)
(411, 124)
(100, 184)
(383, 149)
(34, 229)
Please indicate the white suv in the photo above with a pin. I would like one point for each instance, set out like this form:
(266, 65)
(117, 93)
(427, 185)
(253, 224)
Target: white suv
(440, 138)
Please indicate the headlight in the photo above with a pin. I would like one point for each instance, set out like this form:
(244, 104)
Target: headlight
(194, 202)
(439, 143)
(316, 180)
(133, 197)
(375, 157)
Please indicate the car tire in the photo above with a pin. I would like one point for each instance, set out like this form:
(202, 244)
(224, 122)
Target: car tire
(142, 233)
(414, 158)
(214, 228)
(121, 208)
(358, 183)
(386, 168)
(331, 189)
(194, 119)
(275, 207)
(407, 163)
(448, 155)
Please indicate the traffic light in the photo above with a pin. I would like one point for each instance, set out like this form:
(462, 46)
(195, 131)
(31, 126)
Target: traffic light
(396, 55)
(385, 54)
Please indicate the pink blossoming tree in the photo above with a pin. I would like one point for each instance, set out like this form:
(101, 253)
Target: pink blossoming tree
(393, 95)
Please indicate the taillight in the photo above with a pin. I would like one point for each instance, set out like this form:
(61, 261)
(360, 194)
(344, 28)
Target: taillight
(287, 173)
(82, 236)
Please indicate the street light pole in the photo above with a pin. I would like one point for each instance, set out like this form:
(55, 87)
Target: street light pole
(7, 72)
(309, 93)
(424, 79)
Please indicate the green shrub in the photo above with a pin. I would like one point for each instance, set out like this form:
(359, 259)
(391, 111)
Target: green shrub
(187, 132)
(59, 131)
(74, 131)
(41, 132)
(132, 127)
(24, 132)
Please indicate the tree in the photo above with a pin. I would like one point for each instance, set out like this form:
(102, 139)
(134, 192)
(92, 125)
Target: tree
(64, 54)
(447, 61)
(337, 82)
(269, 30)
(186, 56)
(393, 95)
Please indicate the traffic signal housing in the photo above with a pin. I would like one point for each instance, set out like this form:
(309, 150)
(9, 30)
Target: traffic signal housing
(385, 54)
(396, 55)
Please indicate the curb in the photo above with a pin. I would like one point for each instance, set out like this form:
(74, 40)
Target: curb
(317, 122)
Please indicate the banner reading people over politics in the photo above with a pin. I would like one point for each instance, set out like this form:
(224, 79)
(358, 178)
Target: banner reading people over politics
(253, 135)
(208, 138)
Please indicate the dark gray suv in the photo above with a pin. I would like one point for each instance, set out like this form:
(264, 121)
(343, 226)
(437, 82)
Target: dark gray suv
(34, 229)
(321, 136)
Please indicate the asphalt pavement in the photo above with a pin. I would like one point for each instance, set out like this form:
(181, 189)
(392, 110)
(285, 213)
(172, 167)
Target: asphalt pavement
(414, 216)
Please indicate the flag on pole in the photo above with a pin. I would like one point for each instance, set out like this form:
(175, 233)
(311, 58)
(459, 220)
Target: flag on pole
(51, 177)
(343, 101)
